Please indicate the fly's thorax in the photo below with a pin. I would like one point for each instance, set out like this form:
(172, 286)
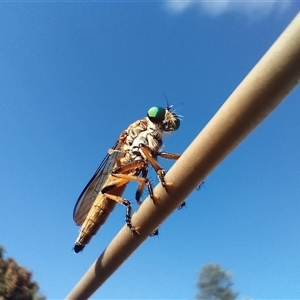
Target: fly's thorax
(134, 130)
(142, 132)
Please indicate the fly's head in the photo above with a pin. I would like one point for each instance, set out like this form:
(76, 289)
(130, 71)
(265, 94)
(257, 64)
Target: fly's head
(163, 119)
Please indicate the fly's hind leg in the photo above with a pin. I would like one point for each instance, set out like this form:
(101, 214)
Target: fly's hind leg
(127, 204)
(122, 173)
(143, 182)
(107, 191)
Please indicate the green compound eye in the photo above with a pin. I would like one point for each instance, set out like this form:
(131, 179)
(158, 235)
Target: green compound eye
(156, 114)
(177, 124)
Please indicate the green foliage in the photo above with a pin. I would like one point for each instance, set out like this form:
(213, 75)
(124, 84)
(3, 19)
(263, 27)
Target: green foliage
(215, 284)
(15, 281)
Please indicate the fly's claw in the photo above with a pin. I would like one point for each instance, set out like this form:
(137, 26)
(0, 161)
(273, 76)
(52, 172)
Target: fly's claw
(155, 199)
(168, 186)
(135, 231)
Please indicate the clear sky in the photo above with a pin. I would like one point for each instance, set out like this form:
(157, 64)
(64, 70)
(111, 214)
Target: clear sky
(74, 75)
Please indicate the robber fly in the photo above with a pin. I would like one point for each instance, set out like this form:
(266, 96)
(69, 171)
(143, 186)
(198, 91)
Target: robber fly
(128, 160)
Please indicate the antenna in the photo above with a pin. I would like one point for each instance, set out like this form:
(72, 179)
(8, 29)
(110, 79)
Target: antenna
(168, 105)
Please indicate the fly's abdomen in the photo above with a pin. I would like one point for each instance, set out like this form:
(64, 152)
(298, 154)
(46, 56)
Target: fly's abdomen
(96, 217)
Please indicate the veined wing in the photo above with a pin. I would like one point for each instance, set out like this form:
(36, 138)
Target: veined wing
(94, 186)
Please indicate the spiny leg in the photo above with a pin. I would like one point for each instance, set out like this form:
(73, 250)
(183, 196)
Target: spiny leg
(169, 155)
(160, 172)
(141, 186)
(158, 169)
(142, 181)
(127, 204)
(130, 172)
(117, 183)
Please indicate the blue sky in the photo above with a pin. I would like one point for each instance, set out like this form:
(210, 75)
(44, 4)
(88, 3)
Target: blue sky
(75, 74)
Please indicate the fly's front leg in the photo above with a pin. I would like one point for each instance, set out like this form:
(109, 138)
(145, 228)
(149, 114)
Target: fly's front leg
(169, 155)
(159, 170)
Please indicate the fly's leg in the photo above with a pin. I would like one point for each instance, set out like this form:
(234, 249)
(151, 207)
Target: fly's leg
(138, 165)
(159, 170)
(123, 179)
(169, 155)
(122, 173)
(126, 203)
(139, 194)
(107, 191)
(143, 182)
(141, 187)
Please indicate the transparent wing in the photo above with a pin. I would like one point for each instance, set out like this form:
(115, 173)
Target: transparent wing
(94, 186)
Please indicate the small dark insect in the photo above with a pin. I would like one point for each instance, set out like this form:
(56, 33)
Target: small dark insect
(154, 233)
(182, 205)
(200, 186)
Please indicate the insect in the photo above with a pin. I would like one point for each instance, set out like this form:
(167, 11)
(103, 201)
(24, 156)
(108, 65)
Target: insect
(128, 160)
(183, 204)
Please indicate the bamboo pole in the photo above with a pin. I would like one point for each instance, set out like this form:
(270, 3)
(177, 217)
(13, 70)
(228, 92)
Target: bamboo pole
(273, 77)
